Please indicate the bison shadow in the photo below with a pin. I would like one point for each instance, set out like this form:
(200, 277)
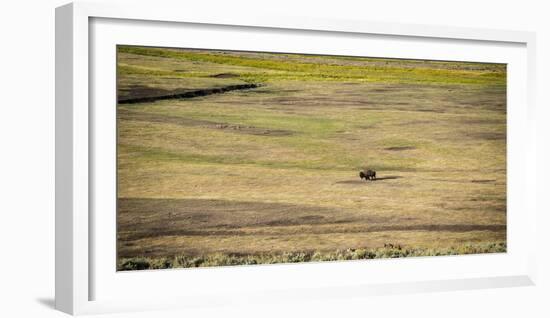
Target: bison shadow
(387, 178)
(366, 182)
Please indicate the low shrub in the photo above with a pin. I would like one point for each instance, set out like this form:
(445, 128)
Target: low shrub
(220, 259)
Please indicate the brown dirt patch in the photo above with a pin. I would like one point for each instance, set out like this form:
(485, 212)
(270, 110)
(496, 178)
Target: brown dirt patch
(400, 148)
(484, 181)
(224, 75)
(486, 135)
(140, 218)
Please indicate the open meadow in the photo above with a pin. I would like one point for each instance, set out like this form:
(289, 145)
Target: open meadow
(227, 158)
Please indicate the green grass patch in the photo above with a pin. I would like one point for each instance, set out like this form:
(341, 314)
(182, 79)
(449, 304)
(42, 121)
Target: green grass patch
(295, 70)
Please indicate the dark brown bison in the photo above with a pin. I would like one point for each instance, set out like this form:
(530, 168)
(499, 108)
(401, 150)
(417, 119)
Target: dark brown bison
(367, 175)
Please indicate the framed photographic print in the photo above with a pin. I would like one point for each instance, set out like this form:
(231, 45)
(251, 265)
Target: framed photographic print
(271, 159)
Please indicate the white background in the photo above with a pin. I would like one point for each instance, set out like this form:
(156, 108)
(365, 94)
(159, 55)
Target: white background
(106, 284)
(27, 158)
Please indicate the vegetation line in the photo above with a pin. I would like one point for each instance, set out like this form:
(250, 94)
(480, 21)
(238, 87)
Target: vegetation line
(227, 259)
(189, 94)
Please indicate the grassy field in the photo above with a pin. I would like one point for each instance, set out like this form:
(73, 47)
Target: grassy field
(228, 158)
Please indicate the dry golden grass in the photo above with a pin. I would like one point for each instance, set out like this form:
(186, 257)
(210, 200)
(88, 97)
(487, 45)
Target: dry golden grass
(274, 170)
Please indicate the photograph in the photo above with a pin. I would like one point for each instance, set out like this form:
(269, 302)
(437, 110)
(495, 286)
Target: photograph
(227, 158)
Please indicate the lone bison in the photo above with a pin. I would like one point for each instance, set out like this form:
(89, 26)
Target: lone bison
(367, 175)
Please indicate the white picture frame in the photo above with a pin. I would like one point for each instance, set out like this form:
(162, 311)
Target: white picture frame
(83, 287)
